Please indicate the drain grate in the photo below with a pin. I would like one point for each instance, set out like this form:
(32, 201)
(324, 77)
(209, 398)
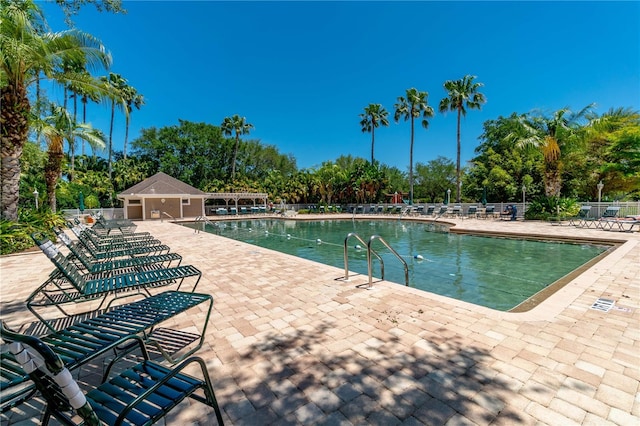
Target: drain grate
(603, 305)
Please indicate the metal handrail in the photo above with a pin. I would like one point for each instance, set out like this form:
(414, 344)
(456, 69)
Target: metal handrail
(167, 214)
(369, 250)
(346, 257)
(202, 219)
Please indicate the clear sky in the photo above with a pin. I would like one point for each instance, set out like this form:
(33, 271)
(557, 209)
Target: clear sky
(302, 72)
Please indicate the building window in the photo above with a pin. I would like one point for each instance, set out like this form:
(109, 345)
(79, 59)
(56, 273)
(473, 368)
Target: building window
(135, 202)
(186, 201)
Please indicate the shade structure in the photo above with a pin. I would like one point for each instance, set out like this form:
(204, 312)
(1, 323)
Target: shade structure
(81, 202)
(484, 197)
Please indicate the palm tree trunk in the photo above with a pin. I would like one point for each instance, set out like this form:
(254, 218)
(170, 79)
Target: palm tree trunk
(373, 138)
(411, 166)
(126, 135)
(113, 108)
(458, 161)
(14, 128)
(235, 154)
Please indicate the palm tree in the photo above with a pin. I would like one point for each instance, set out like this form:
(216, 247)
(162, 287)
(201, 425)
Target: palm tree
(27, 53)
(374, 115)
(461, 94)
(412, 107)
(240, 126)
(132, 100)
(115, 84)
(550, 136)
(57, 127)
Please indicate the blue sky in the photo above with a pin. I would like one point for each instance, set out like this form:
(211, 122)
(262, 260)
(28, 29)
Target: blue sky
(302, 72)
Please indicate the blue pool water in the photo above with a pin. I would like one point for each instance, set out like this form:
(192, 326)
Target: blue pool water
(498, 273)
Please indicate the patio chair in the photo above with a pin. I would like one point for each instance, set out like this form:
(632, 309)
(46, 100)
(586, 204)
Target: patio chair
(443, 211)
(622, 224)
(583, 213)
(489, 211)
(456, 211)
(430, 210)
(121, 248)
(472, 211)
(105, 233)
(610, 212)
(69, 285)
(140, 395)
(94, 266)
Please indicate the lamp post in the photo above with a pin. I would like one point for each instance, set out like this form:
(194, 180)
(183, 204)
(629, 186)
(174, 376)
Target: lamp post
(35, 195)
(448, 196)
(524, 206)
(600, 185)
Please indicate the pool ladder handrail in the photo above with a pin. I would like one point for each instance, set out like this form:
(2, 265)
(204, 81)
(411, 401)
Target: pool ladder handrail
(202, 219)
(370, 252)
(346, 257)
(386, 244)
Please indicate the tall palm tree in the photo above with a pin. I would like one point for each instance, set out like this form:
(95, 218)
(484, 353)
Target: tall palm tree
(132, 100)
(374, 115)
(57, 127)
(551, 136)
(240, 126)
(411, 107)
(115, 85)
(461, 94)
(26, 52)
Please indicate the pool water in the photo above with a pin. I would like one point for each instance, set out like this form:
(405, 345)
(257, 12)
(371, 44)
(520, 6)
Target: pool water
(499, 273)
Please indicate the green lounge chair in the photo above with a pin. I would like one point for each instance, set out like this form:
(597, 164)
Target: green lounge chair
(582, 215)
(69, 285)
(140, 395)
(94, 266)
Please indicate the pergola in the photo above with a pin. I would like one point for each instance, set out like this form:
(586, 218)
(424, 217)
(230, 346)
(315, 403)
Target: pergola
(255, 197)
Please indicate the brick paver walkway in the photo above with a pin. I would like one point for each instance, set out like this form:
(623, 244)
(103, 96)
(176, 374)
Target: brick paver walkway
(289, 342)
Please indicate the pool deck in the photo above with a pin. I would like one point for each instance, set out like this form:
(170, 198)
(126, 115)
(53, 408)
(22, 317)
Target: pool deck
(290, 342)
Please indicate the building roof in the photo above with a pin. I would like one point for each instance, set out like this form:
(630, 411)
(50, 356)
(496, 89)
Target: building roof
(161, 184)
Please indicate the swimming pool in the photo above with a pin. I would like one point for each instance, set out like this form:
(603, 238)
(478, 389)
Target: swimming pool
(499, 273)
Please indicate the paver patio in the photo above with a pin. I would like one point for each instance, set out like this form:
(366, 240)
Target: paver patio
(290, 342)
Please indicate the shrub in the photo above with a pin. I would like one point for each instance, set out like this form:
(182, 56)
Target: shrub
(16, 236)
(543, 208)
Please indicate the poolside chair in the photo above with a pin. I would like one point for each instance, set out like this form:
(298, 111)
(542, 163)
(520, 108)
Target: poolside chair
(610, 212)
(472, 211)
(80, 228)
(489, 211)
(443, 211)
(456, 211)
(623, 224)
(583, 213)
(69, 285)
(430, 210)
(140, 395)
(92, 265)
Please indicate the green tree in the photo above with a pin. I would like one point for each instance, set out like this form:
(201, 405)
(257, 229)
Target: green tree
(551, 136)
(434, 178)
(56, 128)
(115, 85)
(374, 116)
(239, 126)
(411, 107)
(613, 150)
(500, 168)
(27, 53)
(461, 94)
(132, 100)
